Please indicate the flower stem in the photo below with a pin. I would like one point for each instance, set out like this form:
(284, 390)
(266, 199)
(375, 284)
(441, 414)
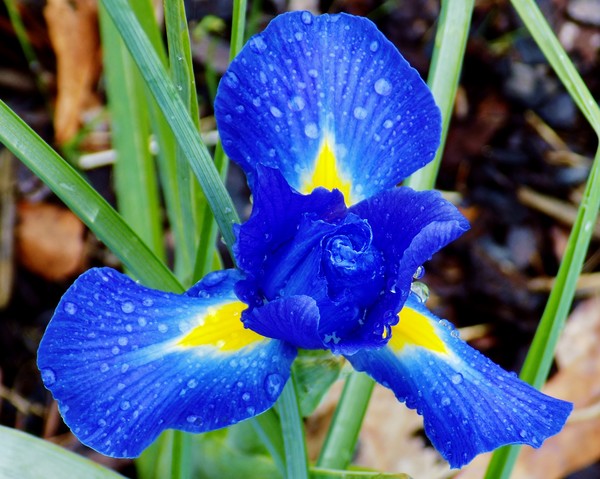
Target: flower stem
(341, 439)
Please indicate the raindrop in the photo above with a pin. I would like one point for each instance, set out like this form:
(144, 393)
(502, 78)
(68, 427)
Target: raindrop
(104, 367)
(122, 341)
(360, 113)
(148, 302)
(313, 73)
(388, 124)
(298, 36)
(129, 328)
(142, 321)
(276, 112)
(257, 44)
(454, 333)
(383, 87)
(446, 401)
(374, 46)
(232, 79)
(419, 273)
(101, 422)
(127, 307)
(457, 378)
(240, 108)
(306, 18)
(163, 328)
(420, 290)
(523, 433)
(311, 130)
(250, 410)
(124, 367)
(125, 405)
(192, 419)
(192, 383)
(70, 308)
(48, 376)
(273, 385)
(115, 350)
(246, 397)
(121, 386)
(297, 103)
(256, 101)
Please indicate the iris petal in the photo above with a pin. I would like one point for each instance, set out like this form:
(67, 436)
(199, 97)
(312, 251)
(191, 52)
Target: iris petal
(408, 228)
(126, 362)
(469, 404)
(330, 102)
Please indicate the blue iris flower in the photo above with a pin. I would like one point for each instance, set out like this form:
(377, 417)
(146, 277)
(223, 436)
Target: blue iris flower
(326, 118)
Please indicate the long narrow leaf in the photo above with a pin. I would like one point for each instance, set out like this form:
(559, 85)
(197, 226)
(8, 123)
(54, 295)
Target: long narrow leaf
(84, 201)
(172, 106)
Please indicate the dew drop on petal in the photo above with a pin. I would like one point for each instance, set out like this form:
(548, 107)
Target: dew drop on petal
(388, 124)
(192, 383)
(192, 419)
(70, 308)
(273, 385)
(523, 433)
(307, 18)
(142, 321)
(383, 87)
(419, 273)
(127, 307)
(297, 103)
(48, 376)
(446, 401)
(257, 44)
(232, 79)
(163, 328)
(374, 46)
(246, 397)
(122, 341)
(276, 112)
(125, 405)
(148, 302)
(313, 73)
(457, 378)
(420, 290)
(311, 130)
(104, 367)
(360, 113)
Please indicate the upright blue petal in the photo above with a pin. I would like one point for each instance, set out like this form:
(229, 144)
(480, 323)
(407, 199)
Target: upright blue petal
(126, 362)
(330, 102)
(408, 228)
(469, 404)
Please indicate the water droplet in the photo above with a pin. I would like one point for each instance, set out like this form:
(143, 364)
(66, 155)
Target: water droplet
(163, 328)
(299, 36)
(420, 290)
(231, 79)
(240, 109)
(256, 101)
(101, 422)
(48, 376)
(250, 410)
(121, 386)
(457, 378)
(191, 419)
(192, 383)
(297, 103)
(128, 328)
(70, 308)
(257, 44)
(383, 87)
(313, 73)
(454, 333)
(419, 273)
(388, 124)
(311, 130)
(124, 367)
(273, 385)
(122, 341)
(127, 307)
(125, 405)
(276, 112)
(142, 321)
(374, 46)
(246, 397)
(115, 350)
(148, 302)
(307, 18)
(523, 433)
(446, 401)
(360, 113)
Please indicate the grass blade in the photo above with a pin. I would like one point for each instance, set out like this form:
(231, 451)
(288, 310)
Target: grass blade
(84, 201)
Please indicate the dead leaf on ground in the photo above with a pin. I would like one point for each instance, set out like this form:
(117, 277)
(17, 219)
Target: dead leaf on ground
(578, 380)
(50, 240)
(73, 30)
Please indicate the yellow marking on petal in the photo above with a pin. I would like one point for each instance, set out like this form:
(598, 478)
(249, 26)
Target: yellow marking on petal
(327, 174)
(221, 327)
(415, 329)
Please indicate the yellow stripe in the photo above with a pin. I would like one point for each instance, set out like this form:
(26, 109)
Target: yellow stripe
(415, 329)
(222, 328)
(326, 173)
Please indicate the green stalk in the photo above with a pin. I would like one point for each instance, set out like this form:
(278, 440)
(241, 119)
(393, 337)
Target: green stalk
(342, 436)
(450, 44)
(539, 358)
(268, 428)
(444, 74)
(173, 108)
(84, 201)
(292, 429)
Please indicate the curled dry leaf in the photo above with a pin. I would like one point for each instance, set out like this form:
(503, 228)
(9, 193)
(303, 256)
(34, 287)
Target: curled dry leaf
(50, 240)
(73, 30)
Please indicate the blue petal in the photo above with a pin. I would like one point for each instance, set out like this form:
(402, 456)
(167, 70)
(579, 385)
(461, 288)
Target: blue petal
(469, 404)
(330, 102)
(408, 228)
(294, 319)
(126, 362)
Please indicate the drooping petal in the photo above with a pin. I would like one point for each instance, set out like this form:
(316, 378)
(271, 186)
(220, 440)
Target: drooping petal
(330, 102)
(469, 404)
(126, 362)
(408, 228)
